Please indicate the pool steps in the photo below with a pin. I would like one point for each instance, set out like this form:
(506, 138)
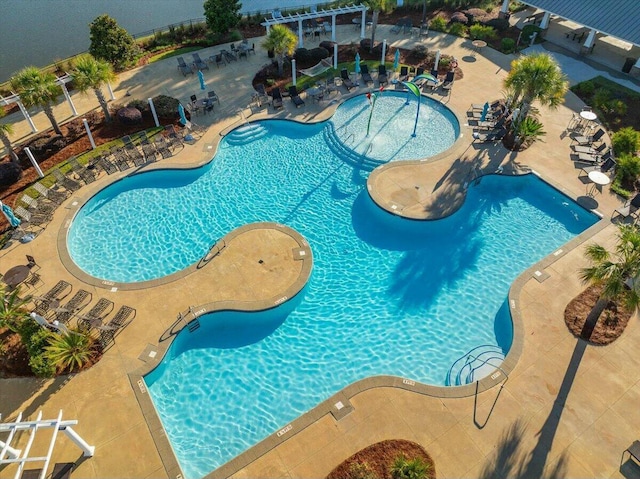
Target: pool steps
(246, 134)
(345, 153)
(474, 365)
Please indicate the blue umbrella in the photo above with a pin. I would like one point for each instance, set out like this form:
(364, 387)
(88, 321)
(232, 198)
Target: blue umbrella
(396, 59)
(201, 78)
(8, 213)
(357, 63)
(485, 109)
(183, 118)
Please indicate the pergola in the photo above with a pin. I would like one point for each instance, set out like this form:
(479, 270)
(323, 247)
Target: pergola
(278, 19)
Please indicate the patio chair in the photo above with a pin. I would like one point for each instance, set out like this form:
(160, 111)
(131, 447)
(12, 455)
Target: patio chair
(35, 207)
(276, 96)
(587, 140)
(174, 138)
(183, 67)
(346, 81)
(50, 194)
(404, 73)
(485, 137)
(295, 97)
(78, 302)
(630, 209)
(218, 59)
(197, 61)
(382, 75)
(33, 280)
(606, 167)
(364, 73)
(212, 96)
(448, 80)
(162, 145)
(34, 219)
(592, 159)
(31, 263)
(634, 452)
(121, 320)
(106, 165)
(589, 149)
(67, 183)
(150, 153)
(397, 28)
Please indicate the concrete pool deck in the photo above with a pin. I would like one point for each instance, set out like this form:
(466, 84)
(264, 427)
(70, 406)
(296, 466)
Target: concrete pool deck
(564, 404)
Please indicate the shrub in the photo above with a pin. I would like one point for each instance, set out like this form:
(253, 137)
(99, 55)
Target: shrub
(35, 339)
(70, 352)
(438, 24)
(318, 54)
(585, 88)
(361, 470)
(617, 107)
(302, 56)
(481, 32)
(235, 36)
(166, 107)
(93, 117)
(409, 468)
(420, 52)
(508, 45)
(129, 116)
(9, 173)
(627, 169)
(500, 24)
(444, 63)
(527, 33)
(475, 14)
(601, 97)
(141, 105)
(327, 45)
(459, 17)
(458, 29)
(529, 130)
(75, 127)
(626, 141)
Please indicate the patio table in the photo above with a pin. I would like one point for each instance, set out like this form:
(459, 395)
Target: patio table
(16, 275)
(598, 178)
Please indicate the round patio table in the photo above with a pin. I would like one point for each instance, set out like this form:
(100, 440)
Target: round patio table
(478, 44)
(588, 115)
(16, 275)
(598, 178)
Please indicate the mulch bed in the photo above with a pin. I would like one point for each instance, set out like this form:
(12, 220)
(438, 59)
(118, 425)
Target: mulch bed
(379, 459)
(610, 325)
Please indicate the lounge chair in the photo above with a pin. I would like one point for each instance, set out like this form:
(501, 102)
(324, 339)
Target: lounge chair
(197, 61)
(382, 75)
(404, 73)
(183, 67)
(607, 166)
(172, 136)
(120, 159)
(295, 98)
(34, 206)
(218, 59)
(81, 172)
(364, 73)
(448, 80)
(346, 81)
(51, 299)
(397, 28)
(592, 159)
(50, 194)
(490, 136)
(106, 165)
(34, 219)
(133, 154)
(492, 124)
(276, 96)
(96, 314)
(634, 452)
(162, 145)
(150, 153)
(586, 140)
(630, 209)
(67, 183)
(121, 319)
(589, 149)
(78, 302)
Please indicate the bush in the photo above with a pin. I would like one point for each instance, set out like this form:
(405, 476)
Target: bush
(141, 105)
(361, 470)
(166, 107)
(529, 130)
(327, 45)
(481, 32)
(409, 468)
(601, 97)
(129, 116)
(585, 88)
(420, 52)
(75, 128)
(500, 24)
(365, 44)
(235, 36)
(35, 339)
(527, 33)
(302, 56)
(438, 24)
(93, 118)
(459, 17)
(9, 173)
(475, 14)
(617, 107)
(508, 45)
(70, 352)
(458, 29)
(318, 54)
(626, 142)
(627, 169)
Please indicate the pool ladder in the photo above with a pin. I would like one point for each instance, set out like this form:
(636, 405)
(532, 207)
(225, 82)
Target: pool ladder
(215, 250)
(194, 323)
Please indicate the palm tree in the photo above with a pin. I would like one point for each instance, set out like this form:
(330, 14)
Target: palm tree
(89, 73)
(535, 77)
(70, 352)
(613, 271)
(37, 88)
(377, 6)
(6, 129)
(281, 41)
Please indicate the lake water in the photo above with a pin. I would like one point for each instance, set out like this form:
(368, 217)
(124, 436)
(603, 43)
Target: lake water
(39, 32)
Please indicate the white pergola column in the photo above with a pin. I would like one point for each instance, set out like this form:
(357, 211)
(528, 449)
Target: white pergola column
(363, 23)
(25, 113)
(113, 97)
(384, 51)
(34, 162)
(293, 71)
(333, 28)
(544, 24)
(87, 450)
(153, 111)
(335, 56)
(68, 98)
(505, 6)
(588, 43)
(268, 28)
(300, 35)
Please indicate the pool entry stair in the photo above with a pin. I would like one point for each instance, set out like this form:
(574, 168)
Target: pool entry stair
(246, 134)
(475, 365)
(341, 149)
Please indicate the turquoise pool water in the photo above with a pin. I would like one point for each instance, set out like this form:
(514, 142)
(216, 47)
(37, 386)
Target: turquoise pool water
(386, 295)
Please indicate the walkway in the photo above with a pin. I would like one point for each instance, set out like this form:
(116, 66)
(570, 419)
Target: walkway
(565, 404)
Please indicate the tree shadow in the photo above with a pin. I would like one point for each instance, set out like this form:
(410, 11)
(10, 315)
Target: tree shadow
(27, 388)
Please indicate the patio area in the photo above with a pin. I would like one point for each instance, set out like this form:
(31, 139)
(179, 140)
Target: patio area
(567, 407)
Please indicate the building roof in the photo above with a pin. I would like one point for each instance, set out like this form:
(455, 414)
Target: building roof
(617, 18)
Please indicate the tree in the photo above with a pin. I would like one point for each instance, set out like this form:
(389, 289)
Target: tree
(535, 77)
(6, 129)
(70, 352)
(377, 6)
(12, 308)
(281, 41)
(37, 88)
(222, 15)
(112, 43)
(91, 73)
(612, 271)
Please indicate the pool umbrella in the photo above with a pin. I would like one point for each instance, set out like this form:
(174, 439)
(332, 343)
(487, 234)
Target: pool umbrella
(357, 63)
(183, 118)
(396, 60)
(201, 78)
(8, 213)
(485, 110)
(435, 64)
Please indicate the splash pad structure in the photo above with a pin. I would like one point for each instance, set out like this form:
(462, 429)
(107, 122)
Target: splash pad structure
(383, 132)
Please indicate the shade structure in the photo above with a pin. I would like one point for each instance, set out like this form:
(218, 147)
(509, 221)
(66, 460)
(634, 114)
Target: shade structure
(13, 220)
(201, 78)
(183, 117)
(396, 59)
(357, 67)
(485, 110)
